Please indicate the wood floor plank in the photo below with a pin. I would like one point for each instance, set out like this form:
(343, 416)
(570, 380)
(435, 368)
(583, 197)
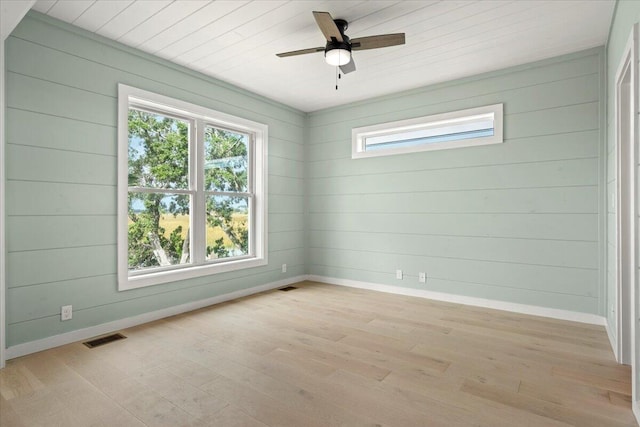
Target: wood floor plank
(589, 378)
(259, 405)
(16, 380)
(179, 392)
(335, 359)
(43, 408)
(543, 408)
(596, 401)
(318, 349)
(9, 417)
(426, 390)
(322, 356)
(289, 389)
(230, 416)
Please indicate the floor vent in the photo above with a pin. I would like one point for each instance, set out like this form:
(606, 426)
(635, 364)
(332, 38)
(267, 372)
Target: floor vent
(288, 288)
(104, 340)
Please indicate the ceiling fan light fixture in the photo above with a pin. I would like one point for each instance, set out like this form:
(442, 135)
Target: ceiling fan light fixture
(337, 57)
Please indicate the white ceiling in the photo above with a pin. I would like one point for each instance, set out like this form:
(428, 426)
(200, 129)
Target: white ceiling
(236, 40)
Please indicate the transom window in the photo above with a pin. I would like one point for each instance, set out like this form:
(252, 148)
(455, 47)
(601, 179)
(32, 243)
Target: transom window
(191, 190)
(474, 126)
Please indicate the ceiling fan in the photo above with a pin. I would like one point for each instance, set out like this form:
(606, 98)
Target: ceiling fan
(338, 49)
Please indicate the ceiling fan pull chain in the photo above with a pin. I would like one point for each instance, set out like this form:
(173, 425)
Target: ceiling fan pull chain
(337, 77)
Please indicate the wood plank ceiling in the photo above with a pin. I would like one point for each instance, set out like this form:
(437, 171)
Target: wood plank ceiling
(236, 40)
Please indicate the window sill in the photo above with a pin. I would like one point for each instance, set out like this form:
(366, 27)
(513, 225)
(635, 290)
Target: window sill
(156, 278)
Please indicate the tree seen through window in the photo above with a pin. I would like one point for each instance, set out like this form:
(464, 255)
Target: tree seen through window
(161, 193)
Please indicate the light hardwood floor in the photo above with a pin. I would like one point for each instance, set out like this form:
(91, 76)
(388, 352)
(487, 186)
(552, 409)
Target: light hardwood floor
(322, 356)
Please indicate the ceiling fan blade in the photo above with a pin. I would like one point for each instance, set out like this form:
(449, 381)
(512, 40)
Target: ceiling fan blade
(300, 52)
(327, 26)
(348, 67)
(374, 42)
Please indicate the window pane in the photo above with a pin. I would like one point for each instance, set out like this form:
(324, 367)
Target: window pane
(226, 160)
(453, 130)
(158, 230)
(158, 151)
(227, 227)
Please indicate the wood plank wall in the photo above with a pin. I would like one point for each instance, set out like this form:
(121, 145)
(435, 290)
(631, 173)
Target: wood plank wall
(516, 222)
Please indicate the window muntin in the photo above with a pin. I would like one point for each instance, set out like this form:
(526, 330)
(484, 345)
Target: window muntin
(475, 126)
(191, 197)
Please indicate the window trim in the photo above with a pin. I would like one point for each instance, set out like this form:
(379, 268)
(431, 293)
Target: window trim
(257, 168)
(359, 134)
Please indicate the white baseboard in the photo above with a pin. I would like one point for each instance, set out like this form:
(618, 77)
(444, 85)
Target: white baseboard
(105, 328)
(90, 332)
(460, 299)
(636, 411)
(612, 339)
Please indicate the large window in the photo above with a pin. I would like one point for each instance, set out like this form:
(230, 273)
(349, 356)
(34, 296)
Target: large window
(191, 190)
(464, 128)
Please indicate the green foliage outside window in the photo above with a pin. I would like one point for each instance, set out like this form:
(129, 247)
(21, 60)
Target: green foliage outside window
(159, 218)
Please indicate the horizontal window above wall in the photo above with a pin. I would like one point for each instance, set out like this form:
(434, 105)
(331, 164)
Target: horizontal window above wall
(464, 128)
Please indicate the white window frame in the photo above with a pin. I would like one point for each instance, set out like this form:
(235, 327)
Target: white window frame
(359, 135)
(199, 116)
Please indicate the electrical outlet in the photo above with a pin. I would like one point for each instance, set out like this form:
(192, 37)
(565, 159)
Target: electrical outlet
(422, 277)
(284, 268)
(66, 312)
(399, 274)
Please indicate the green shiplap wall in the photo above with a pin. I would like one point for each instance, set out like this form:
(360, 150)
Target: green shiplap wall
(517, 222)
(61, 179)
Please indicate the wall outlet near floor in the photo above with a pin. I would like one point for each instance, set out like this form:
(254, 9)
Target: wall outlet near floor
(422, 277)
(399, 274)
(66, 312)
(284, 268)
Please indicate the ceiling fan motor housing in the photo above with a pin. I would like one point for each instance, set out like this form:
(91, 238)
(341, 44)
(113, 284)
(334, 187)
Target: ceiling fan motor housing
(338, 45)
(342, 25)
(335, 44)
